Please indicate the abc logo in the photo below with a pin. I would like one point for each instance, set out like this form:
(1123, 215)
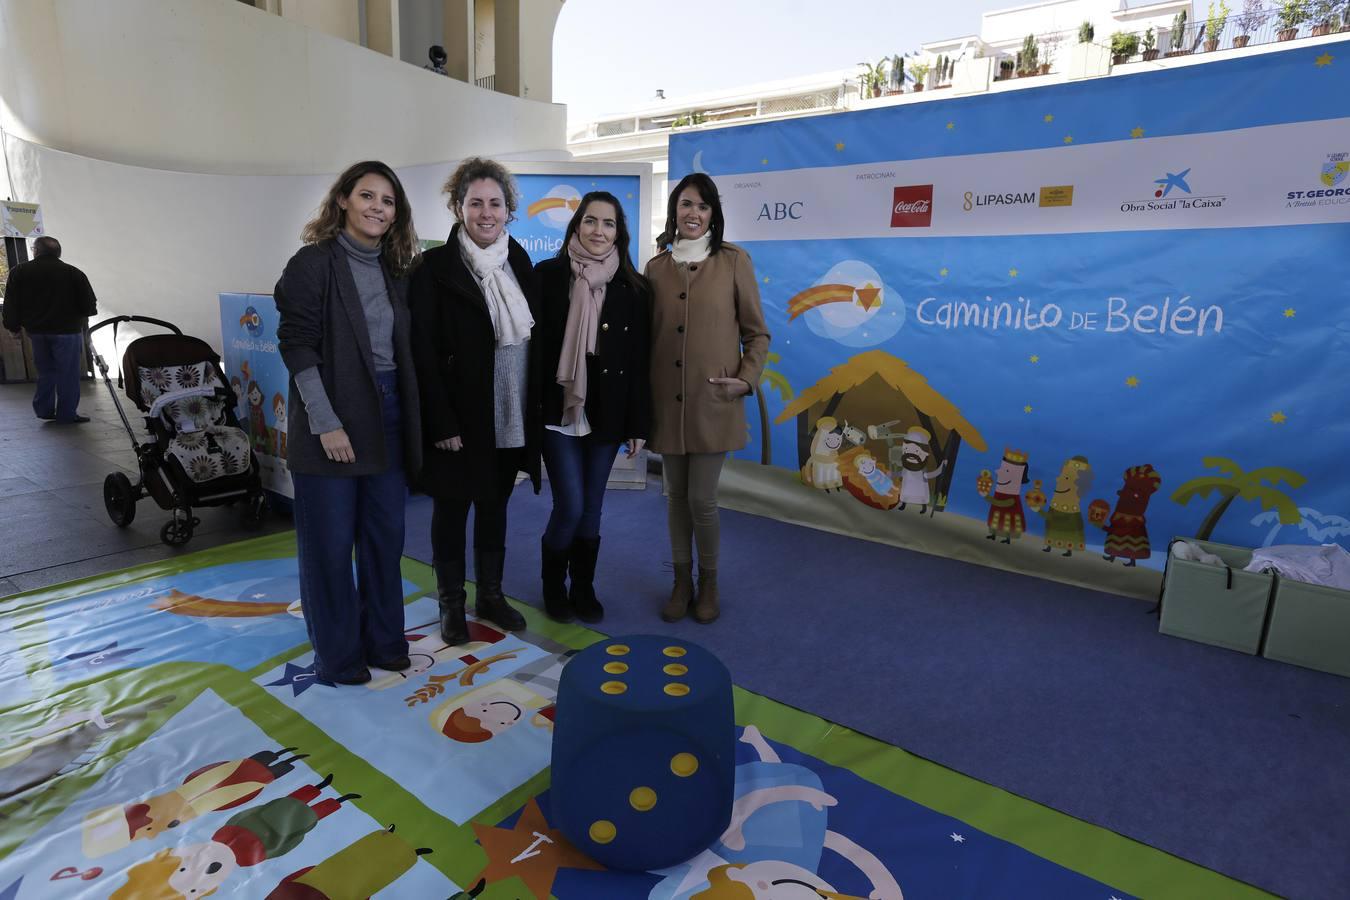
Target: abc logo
(777, 212)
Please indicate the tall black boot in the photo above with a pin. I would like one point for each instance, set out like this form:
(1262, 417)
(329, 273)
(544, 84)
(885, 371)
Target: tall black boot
(553, 571)
(491, 604)
(584, 553)
(450, 597)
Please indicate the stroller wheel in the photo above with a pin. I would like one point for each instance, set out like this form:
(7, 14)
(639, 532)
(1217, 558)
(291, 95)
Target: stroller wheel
(119, 498)
(178, 531)
(256, 512)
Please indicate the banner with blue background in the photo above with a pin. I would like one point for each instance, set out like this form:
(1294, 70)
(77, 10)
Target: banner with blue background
(547, 203)
(1052, 328)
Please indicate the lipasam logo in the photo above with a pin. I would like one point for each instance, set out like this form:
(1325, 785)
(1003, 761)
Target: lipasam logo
(1172, 193)
(1335, 174)
(1047, 195)
(912, 206)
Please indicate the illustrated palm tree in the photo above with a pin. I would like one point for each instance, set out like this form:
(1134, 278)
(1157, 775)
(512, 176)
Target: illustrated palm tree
(770, 378)
(1234, 483)
(1318, 526)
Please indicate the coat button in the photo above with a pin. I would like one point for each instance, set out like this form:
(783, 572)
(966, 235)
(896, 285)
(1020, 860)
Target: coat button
(693, 268)
(679, 363)
(621, 371)
(604, 326)
(625, 328)
(604, 371)
(680, 329)
(683, 295)
(679, 398)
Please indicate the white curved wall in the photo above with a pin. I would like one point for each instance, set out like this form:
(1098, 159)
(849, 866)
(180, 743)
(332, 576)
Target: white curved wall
(217, 86)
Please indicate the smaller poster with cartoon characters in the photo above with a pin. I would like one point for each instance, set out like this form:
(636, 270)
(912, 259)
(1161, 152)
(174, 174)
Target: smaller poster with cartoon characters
(258, 377)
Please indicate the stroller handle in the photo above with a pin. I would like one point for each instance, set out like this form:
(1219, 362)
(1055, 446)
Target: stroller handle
(116, 320)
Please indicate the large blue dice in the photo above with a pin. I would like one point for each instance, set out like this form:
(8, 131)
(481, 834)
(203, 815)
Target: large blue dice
(643, 751)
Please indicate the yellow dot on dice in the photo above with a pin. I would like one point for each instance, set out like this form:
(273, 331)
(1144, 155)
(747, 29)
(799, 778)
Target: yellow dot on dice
(642, 798)
(684, 764)
(617, 649)
(602, 831)
(616, 668)
(675, 651)
(613, 687)
(675, 689)
(675, 669)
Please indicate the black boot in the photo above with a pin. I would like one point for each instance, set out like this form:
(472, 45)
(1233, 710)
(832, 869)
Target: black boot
(584, 552)
(491, 604)
(450, 596)
(553, 571)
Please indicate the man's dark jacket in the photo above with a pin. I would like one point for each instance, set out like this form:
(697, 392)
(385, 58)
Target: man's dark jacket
(47, 296)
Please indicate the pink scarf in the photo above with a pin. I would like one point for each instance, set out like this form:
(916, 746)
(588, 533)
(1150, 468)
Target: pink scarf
(590, 276)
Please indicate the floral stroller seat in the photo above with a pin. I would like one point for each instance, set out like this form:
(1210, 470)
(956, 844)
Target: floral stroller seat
(191, 400)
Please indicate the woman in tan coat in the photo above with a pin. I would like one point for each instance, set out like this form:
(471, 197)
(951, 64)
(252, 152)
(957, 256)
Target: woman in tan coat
(709, 344)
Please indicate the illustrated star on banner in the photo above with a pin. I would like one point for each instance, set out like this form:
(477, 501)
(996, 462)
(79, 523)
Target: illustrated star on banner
(1137, 132)
(1049, 118)
(764, 161)
(867, 295)
(951, 126)
(299, 678)
(630, 195)
(766, 279)
(531, 851)
(1289, 313)
(1323, 61)
(1035, 358)
(1027, 408)
(1132, 381)
(839, 146)
(1068, 139)
(943, 271)
(958, 838)
(1278, 418)
(1012, 273)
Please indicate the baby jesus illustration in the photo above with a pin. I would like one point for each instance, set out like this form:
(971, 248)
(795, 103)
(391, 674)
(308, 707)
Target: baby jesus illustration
(778, 855)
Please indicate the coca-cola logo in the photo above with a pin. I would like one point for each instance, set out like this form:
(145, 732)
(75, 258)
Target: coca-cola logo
(912, 206)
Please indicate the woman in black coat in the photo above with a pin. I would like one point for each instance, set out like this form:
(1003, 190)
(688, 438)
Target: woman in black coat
(474, 303)
(355, 438)
(596, 333)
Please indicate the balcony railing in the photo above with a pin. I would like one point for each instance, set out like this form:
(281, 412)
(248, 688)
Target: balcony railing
(487, 81)
(1238, 31)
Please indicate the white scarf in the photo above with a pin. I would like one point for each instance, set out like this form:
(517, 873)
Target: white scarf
(510, 311)
(691, 251)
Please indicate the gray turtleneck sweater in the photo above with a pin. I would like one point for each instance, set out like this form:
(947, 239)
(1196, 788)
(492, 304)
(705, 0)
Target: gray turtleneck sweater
(370, 286)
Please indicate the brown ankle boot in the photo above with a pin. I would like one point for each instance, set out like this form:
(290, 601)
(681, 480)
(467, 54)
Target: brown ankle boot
(705, 607)
(677, 607)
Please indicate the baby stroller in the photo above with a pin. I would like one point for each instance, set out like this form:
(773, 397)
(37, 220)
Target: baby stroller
(197, 455)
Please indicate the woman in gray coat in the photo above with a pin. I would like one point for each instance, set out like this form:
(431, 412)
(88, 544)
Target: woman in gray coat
(355, 438)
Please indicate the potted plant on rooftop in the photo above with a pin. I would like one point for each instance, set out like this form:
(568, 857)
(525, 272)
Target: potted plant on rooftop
(1324, 17)
(897, 81)
(920, 72)
(1124, 44)
(1048, 46)
(1215, 23)
(1085, 32)
(1150, 45)
(1028, 60)
(1293, 13)
(1179, 35)
(1005, 69)
(1254, 15)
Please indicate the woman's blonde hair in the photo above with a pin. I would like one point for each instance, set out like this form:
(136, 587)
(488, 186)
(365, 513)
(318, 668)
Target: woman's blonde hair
(456, 187)
(398, 247)
(150, 880)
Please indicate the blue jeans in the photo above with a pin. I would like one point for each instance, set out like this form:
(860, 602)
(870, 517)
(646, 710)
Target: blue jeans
(578, 468)
(57, 357)
(354, 624)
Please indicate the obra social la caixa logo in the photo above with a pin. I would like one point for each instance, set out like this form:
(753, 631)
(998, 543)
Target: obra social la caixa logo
(1334, 176)
(912, 206)
(1171, 193)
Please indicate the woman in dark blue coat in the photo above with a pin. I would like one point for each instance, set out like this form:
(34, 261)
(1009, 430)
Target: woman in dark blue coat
(355, 437)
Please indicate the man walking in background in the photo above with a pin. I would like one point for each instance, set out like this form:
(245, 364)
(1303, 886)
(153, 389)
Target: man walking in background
(51, 301)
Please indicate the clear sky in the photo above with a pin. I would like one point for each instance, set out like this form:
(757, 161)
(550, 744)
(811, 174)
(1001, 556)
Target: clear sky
(610, 55)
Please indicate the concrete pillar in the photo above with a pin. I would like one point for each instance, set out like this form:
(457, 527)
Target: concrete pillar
(336, 17)
(524, 45)
(382, 32)
(458, 39)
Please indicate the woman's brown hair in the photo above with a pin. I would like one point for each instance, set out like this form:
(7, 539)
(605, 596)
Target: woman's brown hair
(398, 248)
